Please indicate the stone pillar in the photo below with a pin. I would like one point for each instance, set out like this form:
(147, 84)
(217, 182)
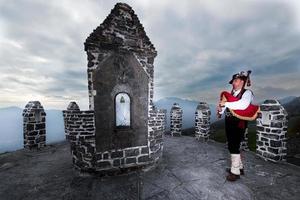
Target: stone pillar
(244, 143)
(176, 120)
(271, 131)
(34, 125)
(202, 121)
(71, 107)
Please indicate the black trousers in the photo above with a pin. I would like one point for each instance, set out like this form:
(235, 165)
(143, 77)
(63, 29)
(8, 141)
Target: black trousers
(234, 134)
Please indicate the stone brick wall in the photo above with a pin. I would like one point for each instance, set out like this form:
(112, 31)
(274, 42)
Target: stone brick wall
(176, 120)
(202, 121)
(271, 131)
(157, 124)
(34, 125)
(163, 118)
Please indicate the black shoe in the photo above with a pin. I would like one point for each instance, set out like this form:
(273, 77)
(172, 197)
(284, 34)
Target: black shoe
(232, 177)
(241, 170)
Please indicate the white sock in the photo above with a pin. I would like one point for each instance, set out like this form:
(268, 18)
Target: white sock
(235, 164)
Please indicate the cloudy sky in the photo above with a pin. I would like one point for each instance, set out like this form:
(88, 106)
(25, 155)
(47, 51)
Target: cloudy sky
(200, 44)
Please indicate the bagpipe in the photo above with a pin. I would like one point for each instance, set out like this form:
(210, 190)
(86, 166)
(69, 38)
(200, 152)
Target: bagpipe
(250, 113)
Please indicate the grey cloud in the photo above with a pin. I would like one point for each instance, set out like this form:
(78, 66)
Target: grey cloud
(265, 41)
(200, 45)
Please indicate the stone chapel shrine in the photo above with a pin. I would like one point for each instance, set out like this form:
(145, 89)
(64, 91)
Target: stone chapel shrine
(122, 128)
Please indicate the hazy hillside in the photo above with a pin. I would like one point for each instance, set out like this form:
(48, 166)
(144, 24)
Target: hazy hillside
(286, 100)
(11, 128)
(293, 107)
(188, 106)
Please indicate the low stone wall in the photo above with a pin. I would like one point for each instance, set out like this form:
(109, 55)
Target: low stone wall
(80, 132)
(271, 131)
(156, 131)
(162, 118)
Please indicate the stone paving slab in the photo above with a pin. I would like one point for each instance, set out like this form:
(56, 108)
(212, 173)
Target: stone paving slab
(189, 169)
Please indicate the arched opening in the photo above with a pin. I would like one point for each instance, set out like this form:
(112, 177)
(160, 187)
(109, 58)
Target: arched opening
(122, 109)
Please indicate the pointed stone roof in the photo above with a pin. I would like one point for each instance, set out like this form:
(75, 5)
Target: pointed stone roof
(121, 30)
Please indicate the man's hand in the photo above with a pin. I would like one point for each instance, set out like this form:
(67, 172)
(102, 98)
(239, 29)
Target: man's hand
(219, 109)
(221, 103)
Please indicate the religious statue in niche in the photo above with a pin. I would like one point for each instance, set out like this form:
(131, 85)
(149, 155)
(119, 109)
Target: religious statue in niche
(122, 103)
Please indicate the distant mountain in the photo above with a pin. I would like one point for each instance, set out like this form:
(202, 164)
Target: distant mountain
(189, 108)
(293, 110)
(286, 100)
(293, 107)
(54, 126)
(282, 101)
(11, 128)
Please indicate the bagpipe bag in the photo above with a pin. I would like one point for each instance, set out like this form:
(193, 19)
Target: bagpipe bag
(249, 114)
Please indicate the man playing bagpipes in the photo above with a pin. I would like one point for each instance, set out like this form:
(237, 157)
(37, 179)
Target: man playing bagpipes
(238, 111)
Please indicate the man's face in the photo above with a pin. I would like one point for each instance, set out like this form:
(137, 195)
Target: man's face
(237, 83)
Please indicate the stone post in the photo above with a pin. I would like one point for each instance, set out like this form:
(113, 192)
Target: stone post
(271, 131)
(202, 121)
(176, 120)
(34, 125)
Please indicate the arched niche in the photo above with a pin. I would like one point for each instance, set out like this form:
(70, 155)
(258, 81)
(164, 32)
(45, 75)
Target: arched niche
(122, 110)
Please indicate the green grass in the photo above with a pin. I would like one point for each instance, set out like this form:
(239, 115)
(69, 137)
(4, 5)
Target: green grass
(252, 140)
(219, 136)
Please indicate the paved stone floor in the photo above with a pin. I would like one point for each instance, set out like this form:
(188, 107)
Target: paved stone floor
(190, 169)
